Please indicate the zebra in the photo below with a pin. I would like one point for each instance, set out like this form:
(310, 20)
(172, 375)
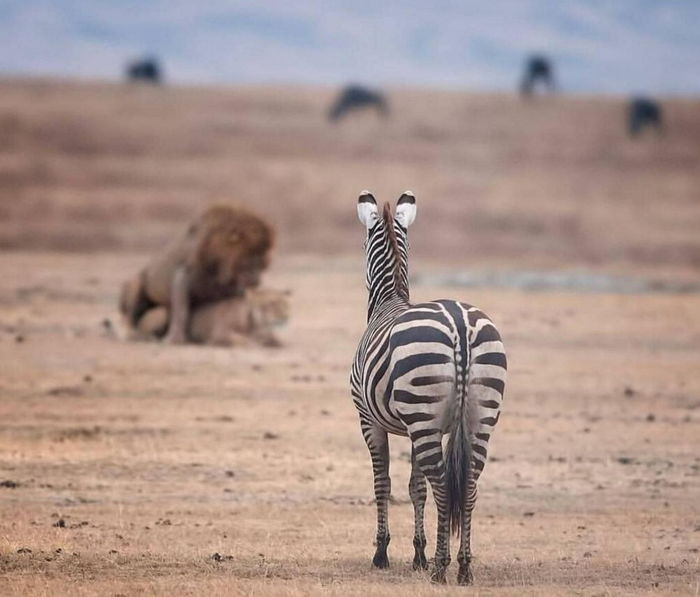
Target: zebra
(424, 371)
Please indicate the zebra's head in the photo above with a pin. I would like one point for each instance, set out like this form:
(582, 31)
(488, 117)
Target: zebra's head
(386, 246)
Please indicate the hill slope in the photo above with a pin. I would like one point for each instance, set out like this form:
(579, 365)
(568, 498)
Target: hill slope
(554, 182)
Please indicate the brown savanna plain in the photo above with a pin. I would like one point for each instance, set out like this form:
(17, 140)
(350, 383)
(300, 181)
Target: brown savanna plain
(142, 469)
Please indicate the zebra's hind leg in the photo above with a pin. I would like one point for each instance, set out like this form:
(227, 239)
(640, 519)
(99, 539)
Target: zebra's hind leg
(417, 489)
(378, 444)
(428, 450)
(464, 576)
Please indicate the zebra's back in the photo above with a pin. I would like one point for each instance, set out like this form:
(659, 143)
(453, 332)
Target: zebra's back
(413, 368)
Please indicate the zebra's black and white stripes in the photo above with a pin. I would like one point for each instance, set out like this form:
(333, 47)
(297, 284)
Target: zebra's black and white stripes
(426, 371)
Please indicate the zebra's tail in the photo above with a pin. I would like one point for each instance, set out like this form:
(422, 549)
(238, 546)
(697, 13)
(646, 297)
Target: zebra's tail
(458, 457)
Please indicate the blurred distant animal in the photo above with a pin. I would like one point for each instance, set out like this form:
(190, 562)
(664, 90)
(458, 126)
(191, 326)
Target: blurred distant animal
(354, 97)
(643, 112)
(144, 69)
(222, 254)
(237, 321)
(537, 69)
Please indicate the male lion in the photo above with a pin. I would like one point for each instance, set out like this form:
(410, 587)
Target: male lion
(222, 254)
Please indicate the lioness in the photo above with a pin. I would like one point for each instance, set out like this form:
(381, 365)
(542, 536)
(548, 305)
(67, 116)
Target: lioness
(238, 321)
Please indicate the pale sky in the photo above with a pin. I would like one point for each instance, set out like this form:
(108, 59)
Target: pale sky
(598, 46)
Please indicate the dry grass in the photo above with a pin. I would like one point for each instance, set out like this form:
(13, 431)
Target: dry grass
(552, 182)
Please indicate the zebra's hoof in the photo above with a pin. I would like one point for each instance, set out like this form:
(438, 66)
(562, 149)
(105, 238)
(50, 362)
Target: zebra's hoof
(380, 560)
(438, 576)
(465, 576)
(420, 562)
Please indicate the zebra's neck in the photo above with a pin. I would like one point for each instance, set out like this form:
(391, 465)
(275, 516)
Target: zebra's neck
(387, 270)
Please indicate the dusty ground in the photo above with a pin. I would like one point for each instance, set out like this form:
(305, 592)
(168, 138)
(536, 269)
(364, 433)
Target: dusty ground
(156, 458)
(139, 469)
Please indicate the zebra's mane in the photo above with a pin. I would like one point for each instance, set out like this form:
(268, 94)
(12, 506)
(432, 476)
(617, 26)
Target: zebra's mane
(399, 281)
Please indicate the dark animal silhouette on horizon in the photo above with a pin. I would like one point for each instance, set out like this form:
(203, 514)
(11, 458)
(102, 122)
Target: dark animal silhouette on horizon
(538, 69)
(642, 113)
(354, 97)
(145, 69)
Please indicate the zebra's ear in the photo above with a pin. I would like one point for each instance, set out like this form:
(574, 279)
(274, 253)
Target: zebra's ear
(367, 209)
(406, 209)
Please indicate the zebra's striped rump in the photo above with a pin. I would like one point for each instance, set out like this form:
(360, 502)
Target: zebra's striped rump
(447, 376)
